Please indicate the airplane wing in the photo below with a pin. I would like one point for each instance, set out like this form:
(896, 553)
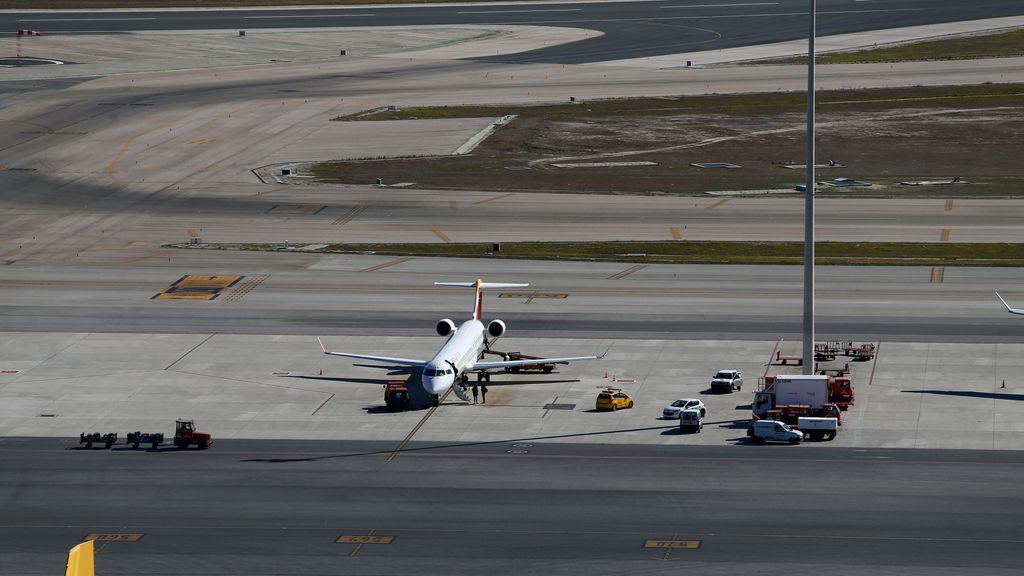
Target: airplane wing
(482, 365)
(384, 359)
(1009, 308)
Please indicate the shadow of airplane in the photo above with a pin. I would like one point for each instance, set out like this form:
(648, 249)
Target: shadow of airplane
(968, 394)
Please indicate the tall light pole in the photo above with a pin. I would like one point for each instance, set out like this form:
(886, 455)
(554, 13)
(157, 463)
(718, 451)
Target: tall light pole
(808, 349)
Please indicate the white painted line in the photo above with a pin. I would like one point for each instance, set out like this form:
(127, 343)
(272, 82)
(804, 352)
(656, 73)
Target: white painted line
(78, 19)
(523, 11)
(306, 16)
(726, 5)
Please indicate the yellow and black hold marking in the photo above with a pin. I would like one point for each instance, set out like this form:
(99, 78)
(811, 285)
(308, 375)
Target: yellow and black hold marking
(663, 544)
(193, 287)
(365, 539)
(100, 537)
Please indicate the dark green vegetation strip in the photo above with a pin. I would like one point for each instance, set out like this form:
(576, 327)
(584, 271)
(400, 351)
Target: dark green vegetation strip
(732, 104)
(1002, 45)
(694, 252)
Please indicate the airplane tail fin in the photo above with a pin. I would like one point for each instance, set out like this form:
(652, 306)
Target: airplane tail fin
(81, 560)
(478, 307)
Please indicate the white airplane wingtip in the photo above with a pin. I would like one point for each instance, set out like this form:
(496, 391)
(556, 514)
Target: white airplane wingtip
(1009, 308)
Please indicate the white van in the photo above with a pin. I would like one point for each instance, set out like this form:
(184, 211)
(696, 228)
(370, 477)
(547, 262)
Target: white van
(690, 421)
(765, 430)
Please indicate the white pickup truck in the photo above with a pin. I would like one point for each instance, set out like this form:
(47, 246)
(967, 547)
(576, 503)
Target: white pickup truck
(727, 381)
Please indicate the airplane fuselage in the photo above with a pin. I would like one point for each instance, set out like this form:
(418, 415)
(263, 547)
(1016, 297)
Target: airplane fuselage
(462, 349)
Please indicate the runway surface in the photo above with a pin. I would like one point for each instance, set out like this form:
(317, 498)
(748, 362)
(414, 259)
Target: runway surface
(631, 29)
(575, 299)
(511, 507)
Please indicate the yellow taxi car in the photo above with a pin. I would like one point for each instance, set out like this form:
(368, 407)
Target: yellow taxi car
(613, 399)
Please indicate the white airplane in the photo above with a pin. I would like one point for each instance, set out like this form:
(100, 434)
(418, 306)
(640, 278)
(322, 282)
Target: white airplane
(1009, 308)
(462, 352)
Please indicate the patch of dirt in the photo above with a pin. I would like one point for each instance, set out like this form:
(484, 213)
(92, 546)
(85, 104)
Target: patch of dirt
(982, 144)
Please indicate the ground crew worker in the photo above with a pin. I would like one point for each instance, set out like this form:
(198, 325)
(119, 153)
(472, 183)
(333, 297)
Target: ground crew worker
(475, 392)
(483, 391)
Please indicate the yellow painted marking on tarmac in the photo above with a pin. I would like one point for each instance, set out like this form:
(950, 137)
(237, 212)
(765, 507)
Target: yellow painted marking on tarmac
(493, 198)
(444, 237)
(359, 541)
(677, 234)
(124, 149)
(672, 544)
(944, 236)
(949, 205)
(937, 273)
(194, 287)
(717, 204)
(418, 426)
(627, 272)
(202, 141)
(387, 264)
(101, 537)
(368, 539)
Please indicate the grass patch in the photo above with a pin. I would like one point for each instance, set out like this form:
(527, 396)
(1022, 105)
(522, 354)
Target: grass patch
(1003, 45)
(729, 104)
(692, 252)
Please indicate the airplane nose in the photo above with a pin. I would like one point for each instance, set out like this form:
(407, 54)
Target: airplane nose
(435, 385)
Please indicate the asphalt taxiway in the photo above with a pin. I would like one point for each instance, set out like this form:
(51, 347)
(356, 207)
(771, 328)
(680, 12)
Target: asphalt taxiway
(510, 507)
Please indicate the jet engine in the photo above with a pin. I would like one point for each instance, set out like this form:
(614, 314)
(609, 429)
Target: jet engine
(496, 328)
(445, 327)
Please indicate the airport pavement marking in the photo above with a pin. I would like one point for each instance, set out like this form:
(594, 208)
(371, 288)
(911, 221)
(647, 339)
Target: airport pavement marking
(203, 141)
(937, 273)
(124, 149)
(717, 204)
(244, 288)
(949, 205)
(669, 545)
(349, 216)
(437, 232)
(101, 537)
(295, 209)
(627, 272)
(944, 235)
(677, 234)
(418, 426)
(387, 264)
(322, 404)
(493, 198)
(195, 287)
(360, 540)
(529, 297)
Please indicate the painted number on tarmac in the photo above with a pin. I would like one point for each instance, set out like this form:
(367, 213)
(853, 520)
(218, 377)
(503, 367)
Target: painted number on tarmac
(365, 539)
(671, 544)
(113, 537)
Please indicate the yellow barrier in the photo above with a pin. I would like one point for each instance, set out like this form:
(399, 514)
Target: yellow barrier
(81, 560)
